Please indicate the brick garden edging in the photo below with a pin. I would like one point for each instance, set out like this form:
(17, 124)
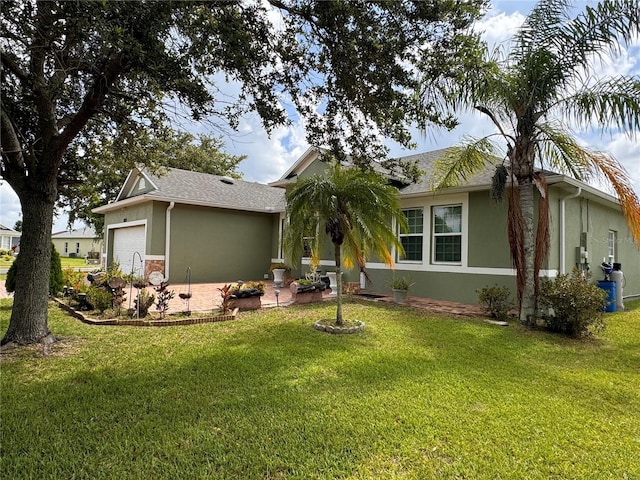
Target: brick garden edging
(147, 323)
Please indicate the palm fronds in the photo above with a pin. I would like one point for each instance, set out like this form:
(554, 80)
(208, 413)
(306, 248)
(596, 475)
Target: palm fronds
(462, 162)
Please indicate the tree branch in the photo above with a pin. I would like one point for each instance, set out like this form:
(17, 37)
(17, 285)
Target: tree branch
(10, 61)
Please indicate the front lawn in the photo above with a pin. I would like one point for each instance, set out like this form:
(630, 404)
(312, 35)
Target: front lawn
(415, 396)
(66, 262)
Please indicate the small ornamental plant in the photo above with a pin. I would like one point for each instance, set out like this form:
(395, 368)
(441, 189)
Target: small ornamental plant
(400, 283)
(142, 303)
(163, 296)
(578, 305)
(226, 294)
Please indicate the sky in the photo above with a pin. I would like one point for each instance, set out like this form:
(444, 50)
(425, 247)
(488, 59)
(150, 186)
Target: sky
(269, 156)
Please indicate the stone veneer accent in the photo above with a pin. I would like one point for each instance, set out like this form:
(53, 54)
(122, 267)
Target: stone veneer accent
(153, 266)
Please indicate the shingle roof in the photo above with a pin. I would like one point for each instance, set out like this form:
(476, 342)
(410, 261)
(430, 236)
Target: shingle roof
(426, 162)
(194, 187)
(86, 232)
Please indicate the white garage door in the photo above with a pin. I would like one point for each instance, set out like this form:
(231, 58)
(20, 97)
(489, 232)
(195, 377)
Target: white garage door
(126, 242)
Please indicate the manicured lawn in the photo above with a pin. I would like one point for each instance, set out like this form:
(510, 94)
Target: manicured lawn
(65, 261)
(415, 396)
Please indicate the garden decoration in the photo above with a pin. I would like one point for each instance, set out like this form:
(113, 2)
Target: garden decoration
(133, 263)
(187, 295)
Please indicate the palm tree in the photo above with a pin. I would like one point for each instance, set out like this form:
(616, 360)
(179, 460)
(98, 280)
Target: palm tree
(356, 209)
(529, 93)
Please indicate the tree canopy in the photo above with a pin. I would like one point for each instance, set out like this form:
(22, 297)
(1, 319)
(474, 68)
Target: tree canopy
(74, 72)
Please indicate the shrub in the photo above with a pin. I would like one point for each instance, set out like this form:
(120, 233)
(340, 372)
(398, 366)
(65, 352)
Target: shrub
(74, 279)
(578, 306)
(100, 298)
(55, 274)
(496, 300)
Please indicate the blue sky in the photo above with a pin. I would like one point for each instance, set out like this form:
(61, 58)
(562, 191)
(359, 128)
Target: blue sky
(270, 156)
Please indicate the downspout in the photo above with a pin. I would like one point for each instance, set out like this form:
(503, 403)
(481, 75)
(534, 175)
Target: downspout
(563, 227)
(167, 240)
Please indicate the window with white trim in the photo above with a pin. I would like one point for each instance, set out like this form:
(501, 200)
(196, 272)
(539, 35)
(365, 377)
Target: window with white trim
(66, 247)
(306, 247)
(77, 247)
(612, 240)
(447, 234)
(413, 239)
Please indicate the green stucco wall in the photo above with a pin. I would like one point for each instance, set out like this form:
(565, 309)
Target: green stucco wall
(488, 237)
(219, 245)
(457, 287)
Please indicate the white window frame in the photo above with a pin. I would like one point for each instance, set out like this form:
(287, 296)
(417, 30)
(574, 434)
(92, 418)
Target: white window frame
(306, 241)
(402, 235)
(66, 247)
(612, 243)
(435, 235)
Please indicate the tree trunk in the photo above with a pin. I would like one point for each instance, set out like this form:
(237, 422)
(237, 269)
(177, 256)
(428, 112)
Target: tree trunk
(338, 257)
(28, 322)
(527, 208)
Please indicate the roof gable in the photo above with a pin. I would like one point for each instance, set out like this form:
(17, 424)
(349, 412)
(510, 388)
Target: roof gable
(138, 182)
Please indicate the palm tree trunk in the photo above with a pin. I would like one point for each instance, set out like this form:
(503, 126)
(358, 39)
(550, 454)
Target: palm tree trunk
(527, 208)
(338, 258)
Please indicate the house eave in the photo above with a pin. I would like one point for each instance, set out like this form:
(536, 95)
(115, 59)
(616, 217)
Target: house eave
(587, 190)
(445, 191)
(129, 202)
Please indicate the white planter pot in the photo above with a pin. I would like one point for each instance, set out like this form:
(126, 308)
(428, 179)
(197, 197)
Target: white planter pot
(278, 276)
(333, 283)
(399, 296)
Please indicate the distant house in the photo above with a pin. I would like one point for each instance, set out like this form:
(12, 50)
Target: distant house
(79, 242)
(9, 238)
(228, 230)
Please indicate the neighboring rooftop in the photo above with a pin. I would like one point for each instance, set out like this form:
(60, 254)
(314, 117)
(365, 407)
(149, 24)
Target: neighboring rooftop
(85, 232)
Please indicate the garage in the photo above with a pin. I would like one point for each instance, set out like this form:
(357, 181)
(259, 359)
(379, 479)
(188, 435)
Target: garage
(127, 242)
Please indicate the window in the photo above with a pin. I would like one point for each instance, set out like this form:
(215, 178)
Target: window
(447, 234)
(66, 247)
(306, 247)
(412, 239)
(77, 247)
(612, 245)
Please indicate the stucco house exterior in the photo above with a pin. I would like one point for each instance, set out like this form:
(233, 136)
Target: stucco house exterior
(228, 230)
(79, 242)
(9, 238)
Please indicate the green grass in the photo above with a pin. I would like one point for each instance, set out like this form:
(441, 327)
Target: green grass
(415, 396)
(65, 261)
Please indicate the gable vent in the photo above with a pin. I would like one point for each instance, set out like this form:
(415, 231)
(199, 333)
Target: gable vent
(227, 180)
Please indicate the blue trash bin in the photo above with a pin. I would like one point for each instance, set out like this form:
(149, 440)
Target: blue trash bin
(610, 288)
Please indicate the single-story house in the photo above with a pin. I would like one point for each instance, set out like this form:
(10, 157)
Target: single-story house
(79, 242)
(9, 238)
(227, 230)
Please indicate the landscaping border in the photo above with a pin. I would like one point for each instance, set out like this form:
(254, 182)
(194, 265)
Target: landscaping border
(146, 323)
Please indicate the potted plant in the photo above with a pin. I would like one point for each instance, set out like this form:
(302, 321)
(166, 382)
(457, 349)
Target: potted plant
(400, 287)
(307, 290)
(246, 295)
